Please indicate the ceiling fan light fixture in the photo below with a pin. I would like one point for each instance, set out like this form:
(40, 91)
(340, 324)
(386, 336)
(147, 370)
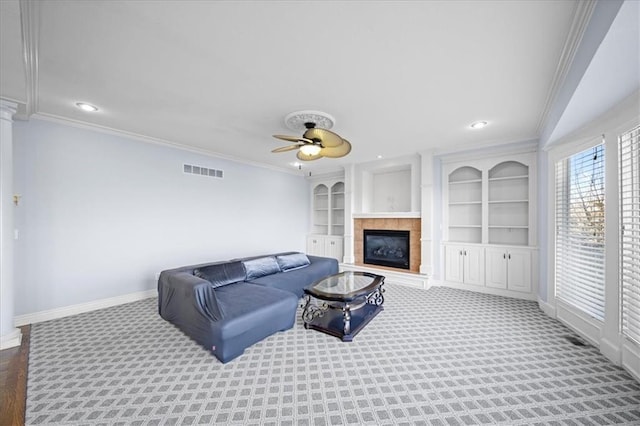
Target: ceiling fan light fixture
(310, 149)
(317, 141)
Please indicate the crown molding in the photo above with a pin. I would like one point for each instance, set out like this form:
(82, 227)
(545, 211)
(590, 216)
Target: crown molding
(156, 141)
(581, 19)
(7, 109)
(30, 25)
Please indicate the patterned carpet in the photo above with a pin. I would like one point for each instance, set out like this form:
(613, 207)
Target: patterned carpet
(440, 356)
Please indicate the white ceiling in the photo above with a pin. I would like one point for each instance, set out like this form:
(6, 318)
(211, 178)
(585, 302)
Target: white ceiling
(399, 77)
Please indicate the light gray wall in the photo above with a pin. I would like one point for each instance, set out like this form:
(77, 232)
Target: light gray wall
(100, 214)
(392, 191)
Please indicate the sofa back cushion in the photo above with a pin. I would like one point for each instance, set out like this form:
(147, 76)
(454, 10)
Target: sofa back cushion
(291, 261)
(256, 268)
(222, 273)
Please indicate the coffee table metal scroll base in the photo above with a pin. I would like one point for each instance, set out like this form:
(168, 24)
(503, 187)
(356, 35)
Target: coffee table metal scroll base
(343, 319)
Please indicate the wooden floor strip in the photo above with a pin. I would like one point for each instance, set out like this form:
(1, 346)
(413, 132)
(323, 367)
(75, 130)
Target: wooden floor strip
(14, 364)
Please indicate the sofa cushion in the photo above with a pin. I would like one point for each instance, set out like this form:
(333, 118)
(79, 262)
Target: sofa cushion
(222, 273)
(292, 261)
(256, 268)
(295, 280)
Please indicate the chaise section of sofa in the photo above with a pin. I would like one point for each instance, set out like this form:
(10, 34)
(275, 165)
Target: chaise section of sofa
(228, 306)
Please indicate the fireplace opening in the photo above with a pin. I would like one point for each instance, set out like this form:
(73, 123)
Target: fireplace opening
(386, 248)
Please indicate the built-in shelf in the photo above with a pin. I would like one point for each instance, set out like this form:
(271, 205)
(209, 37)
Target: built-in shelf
(463, 182)
(488, 203)
(384, 215)
(494, 179)
(463, 203)
(508, 203)
(326, 236)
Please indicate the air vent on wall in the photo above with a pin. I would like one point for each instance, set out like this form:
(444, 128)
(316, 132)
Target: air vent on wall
(202, 171)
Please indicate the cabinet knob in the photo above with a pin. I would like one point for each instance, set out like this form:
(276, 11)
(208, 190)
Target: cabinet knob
(504, 256)
(509, 256)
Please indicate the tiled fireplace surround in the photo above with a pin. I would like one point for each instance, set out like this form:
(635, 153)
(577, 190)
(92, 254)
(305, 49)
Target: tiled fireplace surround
(394, 224)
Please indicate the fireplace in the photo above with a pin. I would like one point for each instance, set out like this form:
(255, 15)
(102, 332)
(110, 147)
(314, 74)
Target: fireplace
(386, 248)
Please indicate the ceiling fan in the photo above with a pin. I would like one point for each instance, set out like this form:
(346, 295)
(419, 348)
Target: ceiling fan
(315, 143)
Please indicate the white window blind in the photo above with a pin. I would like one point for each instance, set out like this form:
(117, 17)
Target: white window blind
(580, 231)
(629, 171)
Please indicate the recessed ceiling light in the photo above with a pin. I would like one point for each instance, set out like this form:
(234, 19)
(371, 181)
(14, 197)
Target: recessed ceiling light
(478, 124)
(379, 157)
(86, 107)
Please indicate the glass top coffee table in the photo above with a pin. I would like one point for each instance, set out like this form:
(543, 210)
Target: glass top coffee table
(342, 304)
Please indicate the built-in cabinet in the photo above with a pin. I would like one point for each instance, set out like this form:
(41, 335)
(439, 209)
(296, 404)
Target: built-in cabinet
(508, 268)
(327, 219)
(324, 245)
(489, 223)
(465, 264)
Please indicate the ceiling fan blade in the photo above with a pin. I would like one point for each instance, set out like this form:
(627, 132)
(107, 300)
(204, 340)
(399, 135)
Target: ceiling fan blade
(327, 138)
(304, 157)
(293, 138)
(338, 151)
(286, 148)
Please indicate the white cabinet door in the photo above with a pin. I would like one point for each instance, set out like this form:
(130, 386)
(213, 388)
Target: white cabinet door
(496, 269)
(315, 245)
(333, 248)
(519, 270)
(464, 264)
(473, 265)
(454, 264)
(508, 269)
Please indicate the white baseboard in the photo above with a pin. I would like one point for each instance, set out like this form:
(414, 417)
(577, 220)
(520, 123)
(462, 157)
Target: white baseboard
(80, 308)
(631, 358)
(547, 308)
(611, 350)
(11, 340)
(488, 290)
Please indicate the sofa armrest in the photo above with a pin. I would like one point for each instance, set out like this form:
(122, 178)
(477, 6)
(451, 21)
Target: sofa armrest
(332, 263)
(183, 297)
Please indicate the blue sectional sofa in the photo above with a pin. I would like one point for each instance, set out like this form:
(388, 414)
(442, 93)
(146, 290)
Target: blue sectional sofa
(228, 306)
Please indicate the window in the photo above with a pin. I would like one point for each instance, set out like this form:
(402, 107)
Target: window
(580, 231)
(629, 171)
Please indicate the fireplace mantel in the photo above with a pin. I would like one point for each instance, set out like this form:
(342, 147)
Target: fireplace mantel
(387, 215)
